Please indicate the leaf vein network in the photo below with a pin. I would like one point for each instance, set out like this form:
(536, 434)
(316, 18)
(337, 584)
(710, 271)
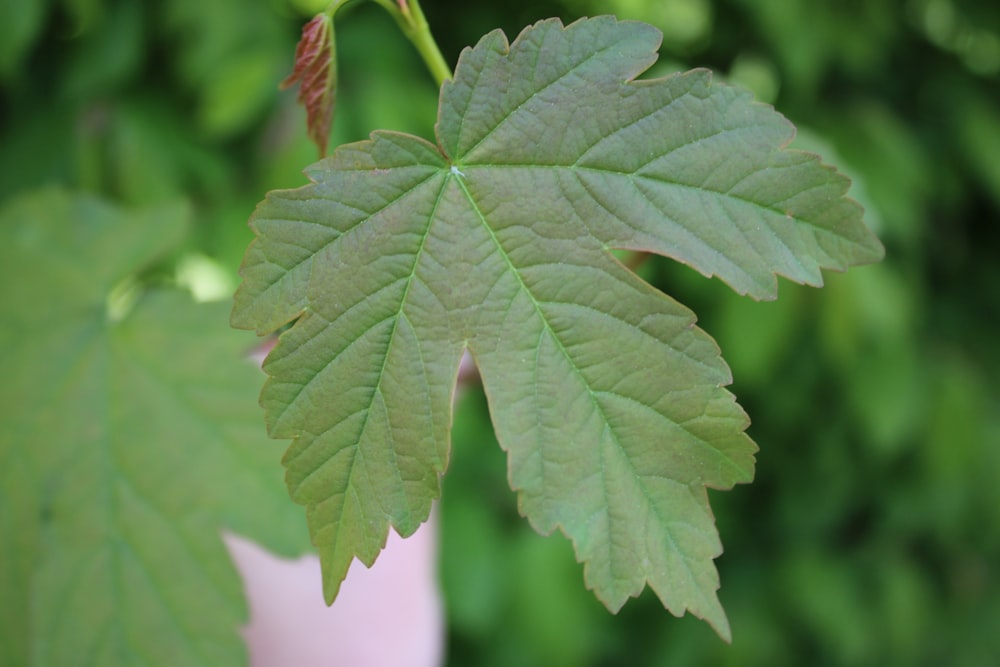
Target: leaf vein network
(377, 386)
(338, 233)
(515, 106)
(620, 447)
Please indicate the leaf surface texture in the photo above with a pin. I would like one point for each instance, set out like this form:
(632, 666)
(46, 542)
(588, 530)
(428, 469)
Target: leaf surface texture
(496, 239)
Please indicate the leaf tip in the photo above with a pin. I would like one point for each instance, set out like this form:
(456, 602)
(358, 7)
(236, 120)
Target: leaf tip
(722, 629)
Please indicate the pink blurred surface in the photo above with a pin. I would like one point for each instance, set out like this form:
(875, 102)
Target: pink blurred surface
(389, 615)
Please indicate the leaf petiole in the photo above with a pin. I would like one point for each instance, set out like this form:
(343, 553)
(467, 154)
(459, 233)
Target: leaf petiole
(410, 19)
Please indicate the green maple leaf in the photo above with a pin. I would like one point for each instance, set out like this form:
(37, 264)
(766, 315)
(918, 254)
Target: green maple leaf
(129, 441)
(403, 253)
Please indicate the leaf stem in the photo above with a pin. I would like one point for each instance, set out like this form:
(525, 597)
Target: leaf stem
(334, 5)
(412, 22)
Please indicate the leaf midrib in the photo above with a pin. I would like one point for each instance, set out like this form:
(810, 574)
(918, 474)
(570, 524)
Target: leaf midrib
(472, 167)
(773, 209)
(607, 424)
(377, 388)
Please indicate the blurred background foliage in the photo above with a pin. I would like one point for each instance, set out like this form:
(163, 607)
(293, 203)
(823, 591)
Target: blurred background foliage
(872, 533)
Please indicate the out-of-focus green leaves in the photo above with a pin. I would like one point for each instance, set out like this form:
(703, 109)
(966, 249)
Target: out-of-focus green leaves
(236, 92)
(20, 23)
(105, 54)
(685, 23)
(129, 443)
(231, 54)
(975, 122)
(891, 162)
(757, 74)
(812, 39)
(966, 29)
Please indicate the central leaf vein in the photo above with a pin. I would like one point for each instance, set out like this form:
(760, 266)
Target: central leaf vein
(619, 445)
(377, 388)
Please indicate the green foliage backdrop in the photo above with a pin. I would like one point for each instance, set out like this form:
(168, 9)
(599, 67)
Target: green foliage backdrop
(871, 535)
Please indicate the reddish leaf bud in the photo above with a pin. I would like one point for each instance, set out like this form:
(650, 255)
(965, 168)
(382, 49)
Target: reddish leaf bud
(315, 71)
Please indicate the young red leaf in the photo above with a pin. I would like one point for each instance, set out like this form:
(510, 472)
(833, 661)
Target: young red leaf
(316, 73)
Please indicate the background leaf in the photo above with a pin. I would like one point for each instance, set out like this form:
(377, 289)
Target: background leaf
(20, 23)
(607, 398)
(132, 444)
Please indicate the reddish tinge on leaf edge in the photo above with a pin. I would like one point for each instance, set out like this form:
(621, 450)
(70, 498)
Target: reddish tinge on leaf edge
(315, 71)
